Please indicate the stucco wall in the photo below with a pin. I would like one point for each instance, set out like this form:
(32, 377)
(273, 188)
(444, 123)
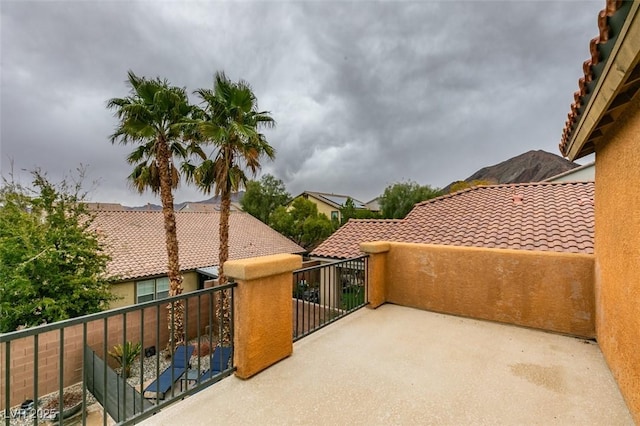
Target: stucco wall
(126, 291)
(549, 291)
(324, 207)
(263, 331)
(617, 250)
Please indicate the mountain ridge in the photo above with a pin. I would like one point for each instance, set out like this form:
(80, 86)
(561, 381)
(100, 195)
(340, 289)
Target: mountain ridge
(531, 166)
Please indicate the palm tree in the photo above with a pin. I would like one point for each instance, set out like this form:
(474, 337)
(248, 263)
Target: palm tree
(153, 117)
(230, 121)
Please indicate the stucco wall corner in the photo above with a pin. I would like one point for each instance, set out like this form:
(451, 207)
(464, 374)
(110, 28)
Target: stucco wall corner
(374, 247)
(264, 266)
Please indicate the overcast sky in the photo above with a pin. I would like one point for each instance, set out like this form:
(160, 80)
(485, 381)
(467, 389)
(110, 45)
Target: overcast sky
(364, 93)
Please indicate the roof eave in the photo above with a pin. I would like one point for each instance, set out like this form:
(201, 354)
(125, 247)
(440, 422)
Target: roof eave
(622, 61)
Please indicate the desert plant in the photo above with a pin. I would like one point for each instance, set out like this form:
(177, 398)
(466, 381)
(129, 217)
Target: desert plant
(125, 355)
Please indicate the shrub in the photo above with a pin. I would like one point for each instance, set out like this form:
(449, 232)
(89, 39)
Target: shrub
(125, 355)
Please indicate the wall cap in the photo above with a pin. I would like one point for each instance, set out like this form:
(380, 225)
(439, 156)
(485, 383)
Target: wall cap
(263, 266)
(375, 247)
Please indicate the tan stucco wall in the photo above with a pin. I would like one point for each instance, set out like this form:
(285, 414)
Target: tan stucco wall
(617, 250)
(263, 331)
(549, 291)
(189, 282)
(324, 207)
(126, 291)
(376, 271)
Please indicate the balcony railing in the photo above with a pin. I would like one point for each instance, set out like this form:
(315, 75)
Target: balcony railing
(325, 293)
(45, 369)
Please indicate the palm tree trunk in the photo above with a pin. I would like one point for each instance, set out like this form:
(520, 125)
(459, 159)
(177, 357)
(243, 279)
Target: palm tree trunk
(175, 310)
(223, 311)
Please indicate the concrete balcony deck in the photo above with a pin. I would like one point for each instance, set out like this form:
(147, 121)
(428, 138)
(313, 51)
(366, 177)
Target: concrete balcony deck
(396, 365)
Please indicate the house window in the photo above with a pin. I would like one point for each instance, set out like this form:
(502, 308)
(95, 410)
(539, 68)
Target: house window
(154, 289)
(334, 215)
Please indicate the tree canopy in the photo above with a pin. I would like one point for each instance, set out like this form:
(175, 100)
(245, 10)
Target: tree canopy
(462, 184)
(264, 196)
(302, 223)
(349, 211)
(398, 199)
(52, 266)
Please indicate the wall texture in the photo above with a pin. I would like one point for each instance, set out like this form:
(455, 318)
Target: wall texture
(617, 251)
(126, 291)
(324, 207)
(263, 332)
(549, 291)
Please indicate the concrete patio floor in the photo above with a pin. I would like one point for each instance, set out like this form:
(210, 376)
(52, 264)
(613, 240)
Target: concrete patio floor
(397, 365)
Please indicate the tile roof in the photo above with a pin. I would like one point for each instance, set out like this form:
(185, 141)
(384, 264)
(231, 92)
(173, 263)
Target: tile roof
(345, 242)
(542, 216)
(592, 68)
(136, 240)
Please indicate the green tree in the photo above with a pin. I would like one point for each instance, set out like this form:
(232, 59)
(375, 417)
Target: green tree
(154, 117)
(52, 266)
(302, 223)
(398, 199)
(230, 122)
(462, 184)
(264, 196)
(349, 211)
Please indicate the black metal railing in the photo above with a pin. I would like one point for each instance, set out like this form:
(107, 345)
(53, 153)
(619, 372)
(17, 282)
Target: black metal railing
(325, 293)
(50, 367)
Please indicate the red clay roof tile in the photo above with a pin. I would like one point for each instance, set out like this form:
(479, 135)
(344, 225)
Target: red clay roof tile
(136, 240)
(551, 217)
(604, 33)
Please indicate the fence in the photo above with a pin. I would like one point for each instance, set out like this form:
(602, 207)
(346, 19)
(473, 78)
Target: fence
(324, 293)
(43, 360)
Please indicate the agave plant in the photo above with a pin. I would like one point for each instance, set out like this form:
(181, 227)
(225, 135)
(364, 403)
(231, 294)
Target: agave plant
(125, 355)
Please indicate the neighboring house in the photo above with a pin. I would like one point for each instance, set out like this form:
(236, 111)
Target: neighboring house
(531, 216)
(583, 173)
(136, 242)
(373, 205)
(605, 119)
(330, 204)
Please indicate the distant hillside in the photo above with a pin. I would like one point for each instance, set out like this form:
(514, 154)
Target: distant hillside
(235, 198)
(532, 166)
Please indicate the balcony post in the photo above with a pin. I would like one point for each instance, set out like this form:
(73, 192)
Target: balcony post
(376, 271)
(263, 330)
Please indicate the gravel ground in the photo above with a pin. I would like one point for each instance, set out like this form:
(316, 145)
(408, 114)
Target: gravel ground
(149, 369)
(43, 413)
(150, 366)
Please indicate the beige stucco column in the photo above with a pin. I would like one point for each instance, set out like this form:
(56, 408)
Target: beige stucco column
(263, 331)
(376, 271)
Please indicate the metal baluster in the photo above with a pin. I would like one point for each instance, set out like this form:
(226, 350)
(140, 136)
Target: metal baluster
(104, 372)
(7, 384)
(60, 378)
(36, 402)
(84, 375)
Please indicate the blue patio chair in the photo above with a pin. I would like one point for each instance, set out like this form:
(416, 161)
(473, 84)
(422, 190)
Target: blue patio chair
(179, 364)
(219, 362)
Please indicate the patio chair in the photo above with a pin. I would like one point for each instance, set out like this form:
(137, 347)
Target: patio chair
(179, 364)
(219, 362)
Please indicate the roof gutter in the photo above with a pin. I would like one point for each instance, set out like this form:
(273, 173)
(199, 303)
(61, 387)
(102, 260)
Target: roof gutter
(622, 59)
